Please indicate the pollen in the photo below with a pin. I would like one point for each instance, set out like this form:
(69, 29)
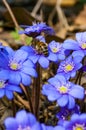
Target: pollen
(63, 89)
(79, 127)
(83, 46)
(14, 66)
(69, 67)
(55, 50)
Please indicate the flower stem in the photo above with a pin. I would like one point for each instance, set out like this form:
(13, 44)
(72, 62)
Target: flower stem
(36, 92)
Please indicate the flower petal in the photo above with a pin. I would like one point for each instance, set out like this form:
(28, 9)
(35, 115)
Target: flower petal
(44, 62)
(29, 71)
(70, 45)
(63, 100)
(26, 79)
(2, 93)
(71, 102)
(9, 94)
(11, 124)
(77, 92)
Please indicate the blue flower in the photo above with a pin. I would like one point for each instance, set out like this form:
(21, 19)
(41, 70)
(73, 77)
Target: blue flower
(22, 121)
(35, 56)
(18, 67)
(56, 51)
(79, 46)
(65, 113)
(69, 66)
(77, 122)
(64, 92)
(6, 87)
(36, 29)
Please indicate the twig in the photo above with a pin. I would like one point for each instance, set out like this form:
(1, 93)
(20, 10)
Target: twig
(22, 100)
(27, 95)
(11, 14)
(61, 15)
(36, 8)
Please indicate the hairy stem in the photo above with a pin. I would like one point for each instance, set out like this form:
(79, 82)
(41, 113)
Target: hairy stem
(36, 92)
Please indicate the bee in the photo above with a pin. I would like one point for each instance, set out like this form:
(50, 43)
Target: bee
(40, 47)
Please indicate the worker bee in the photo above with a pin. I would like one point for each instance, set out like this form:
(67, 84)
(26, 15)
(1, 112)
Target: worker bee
(40, 47)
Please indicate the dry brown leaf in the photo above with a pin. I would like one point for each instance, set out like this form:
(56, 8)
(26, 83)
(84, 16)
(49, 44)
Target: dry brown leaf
(81, 18)
(63, 3)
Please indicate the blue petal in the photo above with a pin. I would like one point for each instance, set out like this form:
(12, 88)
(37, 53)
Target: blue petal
(4, 61)
(74, 117)
(61, 78)
(9, 94)
(34, 58)
(11, 124)
(14, 77)
(4, 74)
(26, 79)
(73, 74)
(44, 62)
(59, 128)
(61, 56)
(71, 102)
(77, 92)
(53, 57)
(31, 119)
(78, 56)
(70, 45)
(36, 126)
(54, 82)
(83, 38)
(2, 93)
(63, 101)
(79, 37)
(24, 120)
(29, 71)
(20, 55)
(28, 63)
(13, 88)
(28, 49)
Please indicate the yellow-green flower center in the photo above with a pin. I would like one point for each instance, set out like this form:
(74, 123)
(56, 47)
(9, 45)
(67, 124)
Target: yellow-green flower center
(63, 89)
(68, 67)
(14, 66)
(2, 84)
(55, 49)
(79, 127)
(83, 46)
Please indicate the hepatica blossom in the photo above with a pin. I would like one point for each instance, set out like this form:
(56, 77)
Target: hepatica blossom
(35, 56)
(7, 88)
(79, 46)
(77, 122)
(22, 121)
(18, 67)
(56, 51)
(65, 113)
(64, 92)
(36, 29)
(69, 66)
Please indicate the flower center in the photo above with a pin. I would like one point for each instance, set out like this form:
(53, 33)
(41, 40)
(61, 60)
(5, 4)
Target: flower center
(63, 89)
(69, 67)
(55, 50)
(2, 84)
(83, 46)
(79, 127)
(14, 65)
